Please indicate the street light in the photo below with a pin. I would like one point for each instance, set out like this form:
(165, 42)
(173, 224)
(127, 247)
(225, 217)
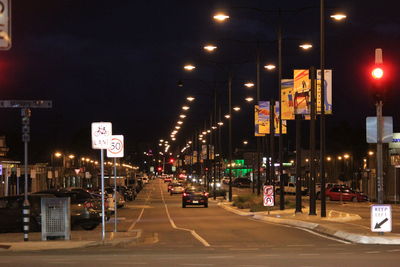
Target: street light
(189, 67)
(182, 116)
(185, 108)
(210, 48)
(270, 66)
(237, 108)
(190, 98)
(249, 84)
(249, 99)
(220, 17)
(306, 46)
(338, 16)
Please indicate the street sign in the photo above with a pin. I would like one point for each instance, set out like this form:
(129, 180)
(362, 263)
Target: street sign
(269, 200)
(26, 103)
(381, 218)
(101, 135)
(5, 24)
(387, 131)
(116, 150)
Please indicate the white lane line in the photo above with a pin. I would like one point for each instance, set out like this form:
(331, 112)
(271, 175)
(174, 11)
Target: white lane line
(394, 250)
(141, 213)
(372, 252)
(193, 232)
(309, 254)
(244, 249)
(196, 264)
(220, 257)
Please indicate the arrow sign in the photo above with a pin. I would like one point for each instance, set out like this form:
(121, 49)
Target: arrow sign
(378, 225)
(381, 218)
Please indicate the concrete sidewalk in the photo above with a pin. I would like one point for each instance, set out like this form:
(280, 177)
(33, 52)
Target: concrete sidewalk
(337, 224)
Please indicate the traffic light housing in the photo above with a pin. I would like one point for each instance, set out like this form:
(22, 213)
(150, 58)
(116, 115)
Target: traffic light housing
(171, 160)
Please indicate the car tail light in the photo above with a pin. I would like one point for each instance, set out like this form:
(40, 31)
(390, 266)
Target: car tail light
(205, 194)
(88, 205)
(184, 194)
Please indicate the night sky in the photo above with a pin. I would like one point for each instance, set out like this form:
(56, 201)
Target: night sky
(120, 61)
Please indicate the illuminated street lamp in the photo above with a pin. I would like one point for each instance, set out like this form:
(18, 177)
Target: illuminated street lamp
(185, 108)
(338, 16)
(221, 17)
(210, 48)
(227, 116)
(249, 99)
(220, 123)
(249, 84)
(306, 46)
(189, 67)
(190, 98)
(245, 142)
(182, 116)
(180, 122)
(270, 66)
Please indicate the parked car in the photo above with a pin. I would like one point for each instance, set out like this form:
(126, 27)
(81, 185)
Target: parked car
(119, 198)
(241, 182)
(344, 194)
(177, 188)
(195, 195)
(11, 213)
(127, 192)
(167, 179)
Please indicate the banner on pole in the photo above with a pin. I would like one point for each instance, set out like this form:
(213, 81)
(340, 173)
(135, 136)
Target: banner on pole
(302, 92)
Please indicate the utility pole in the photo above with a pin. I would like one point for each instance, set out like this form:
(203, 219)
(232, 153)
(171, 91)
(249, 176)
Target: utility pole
(312, 143)
(25, 106)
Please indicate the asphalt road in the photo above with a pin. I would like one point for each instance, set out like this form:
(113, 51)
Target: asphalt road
(197, 236)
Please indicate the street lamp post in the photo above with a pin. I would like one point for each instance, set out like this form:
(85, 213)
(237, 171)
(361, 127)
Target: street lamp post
(230, 133)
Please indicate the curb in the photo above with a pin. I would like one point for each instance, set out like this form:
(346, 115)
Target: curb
(351, 237)
(68, 244)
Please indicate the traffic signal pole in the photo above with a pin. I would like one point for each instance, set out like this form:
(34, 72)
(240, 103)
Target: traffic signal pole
(379, 155)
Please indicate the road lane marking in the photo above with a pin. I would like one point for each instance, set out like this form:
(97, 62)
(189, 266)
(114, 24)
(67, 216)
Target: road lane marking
(141, 213)
(372, 252)
(193, 232)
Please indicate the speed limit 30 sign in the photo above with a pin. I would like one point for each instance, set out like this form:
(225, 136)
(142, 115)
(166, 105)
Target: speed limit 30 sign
(116, 149)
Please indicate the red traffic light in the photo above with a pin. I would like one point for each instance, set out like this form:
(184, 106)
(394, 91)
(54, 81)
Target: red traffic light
(377, 73)
(171, 160)
(159, 169)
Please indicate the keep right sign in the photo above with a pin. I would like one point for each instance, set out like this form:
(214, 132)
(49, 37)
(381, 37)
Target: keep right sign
(381, 218)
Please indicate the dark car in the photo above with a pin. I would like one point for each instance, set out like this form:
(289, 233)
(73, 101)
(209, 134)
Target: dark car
(241, 182)
(128, 193)
(195, 195)
(11, 213)
(84, 211)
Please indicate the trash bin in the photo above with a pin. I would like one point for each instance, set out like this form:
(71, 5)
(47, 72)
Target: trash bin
(56, 218)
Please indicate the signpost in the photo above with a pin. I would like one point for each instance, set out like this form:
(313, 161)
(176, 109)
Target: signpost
(381, 218)
(25, 106)
(269, 200)
(116, 150)
(101, 139)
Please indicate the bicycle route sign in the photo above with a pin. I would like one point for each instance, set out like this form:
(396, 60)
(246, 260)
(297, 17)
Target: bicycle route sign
(101, 135)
